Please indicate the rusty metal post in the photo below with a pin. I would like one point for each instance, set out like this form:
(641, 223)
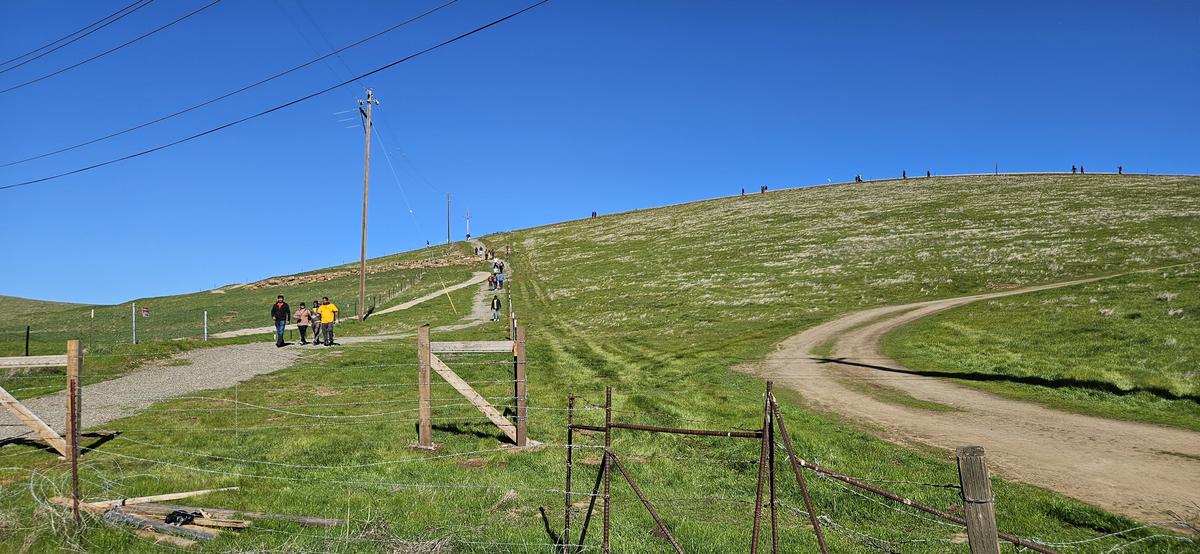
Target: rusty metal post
(787, 444)
(646, 502)
(425, 400)
(74, 395)
(604, 547)
(566, 537)
(770, 439)
(519, 366)
(762, 468)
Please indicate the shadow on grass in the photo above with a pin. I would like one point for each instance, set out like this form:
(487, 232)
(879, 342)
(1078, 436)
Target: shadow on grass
(37, 444)
(1061, 383)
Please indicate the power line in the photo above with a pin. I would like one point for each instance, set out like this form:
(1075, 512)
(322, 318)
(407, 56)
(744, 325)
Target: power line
(99, 24)
(280, 106)
(110, 50)
(233, 92)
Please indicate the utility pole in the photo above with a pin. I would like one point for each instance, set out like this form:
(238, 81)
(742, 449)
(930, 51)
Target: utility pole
(468, 224)
(447, 219)
(364, 109)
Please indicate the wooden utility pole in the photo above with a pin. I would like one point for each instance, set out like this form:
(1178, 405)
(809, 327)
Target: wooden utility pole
(364, 109)
(977, 500)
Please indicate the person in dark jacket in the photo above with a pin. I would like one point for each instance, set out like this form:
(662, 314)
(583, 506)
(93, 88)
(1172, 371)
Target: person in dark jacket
(495, 308)
(281, 313)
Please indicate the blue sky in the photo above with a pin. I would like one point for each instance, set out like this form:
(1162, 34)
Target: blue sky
(576, 106)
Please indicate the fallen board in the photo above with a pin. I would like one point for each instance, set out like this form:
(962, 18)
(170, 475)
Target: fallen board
(164, 509)
(115, 515)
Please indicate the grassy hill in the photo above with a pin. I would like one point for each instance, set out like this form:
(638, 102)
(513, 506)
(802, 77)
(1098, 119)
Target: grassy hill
(661, 304)
(1127, 347)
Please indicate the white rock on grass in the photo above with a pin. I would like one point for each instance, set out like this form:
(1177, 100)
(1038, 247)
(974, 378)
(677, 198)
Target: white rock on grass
(1107, 312)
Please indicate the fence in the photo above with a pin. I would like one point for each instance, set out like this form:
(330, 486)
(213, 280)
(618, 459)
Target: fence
(365, 413)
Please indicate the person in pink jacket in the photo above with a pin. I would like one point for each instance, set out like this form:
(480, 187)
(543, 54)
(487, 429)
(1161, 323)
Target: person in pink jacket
(303, 320)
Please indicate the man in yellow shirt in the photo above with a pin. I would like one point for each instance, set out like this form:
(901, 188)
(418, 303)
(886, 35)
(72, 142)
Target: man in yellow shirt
(329, 313)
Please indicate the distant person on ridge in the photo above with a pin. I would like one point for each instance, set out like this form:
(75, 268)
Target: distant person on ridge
(315, 317)
(903, 173)
(281, 313)
(495, 308)
(303, 320)
(928, 173)
(1072, 169)
(329, 315)
(1120, 170)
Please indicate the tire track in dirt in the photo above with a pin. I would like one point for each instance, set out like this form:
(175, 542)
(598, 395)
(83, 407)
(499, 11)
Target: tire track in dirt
(1138, 470)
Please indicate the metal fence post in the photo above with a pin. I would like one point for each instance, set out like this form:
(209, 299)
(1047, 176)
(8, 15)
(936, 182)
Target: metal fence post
(566, 538)
(133, 319)
(74, 396)
(604, 547)
(205, 325)
(26, 340)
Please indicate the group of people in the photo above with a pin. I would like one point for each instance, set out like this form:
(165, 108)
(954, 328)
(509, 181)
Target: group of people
(485, 253)
(496, 279)
(1120, 169)
(321, 318)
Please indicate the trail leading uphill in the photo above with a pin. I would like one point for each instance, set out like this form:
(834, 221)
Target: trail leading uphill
(1138, 470)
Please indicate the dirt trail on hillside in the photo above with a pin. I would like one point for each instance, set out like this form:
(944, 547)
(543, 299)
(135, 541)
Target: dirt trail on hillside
(1139, 470)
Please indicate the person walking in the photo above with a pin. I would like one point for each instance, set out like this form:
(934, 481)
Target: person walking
(903, 173)
(281, 313)
(1081, 169)
(491, 282)
(1120, 170)
(315, 317)
(500, 281)
(1072, 169)
(329, 315)
(303, 320)
(495, 308)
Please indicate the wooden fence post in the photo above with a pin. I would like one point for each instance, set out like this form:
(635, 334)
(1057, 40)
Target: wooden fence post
(763, 452)
(425, 403)
(74, 395)
(26, 340)
(519, 367)
(977, 500)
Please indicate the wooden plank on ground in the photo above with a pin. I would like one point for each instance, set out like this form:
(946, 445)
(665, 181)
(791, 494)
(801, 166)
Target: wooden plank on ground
(149, 499)
(34, 422)
(474, 397)
(164, 509)
(118, 516)
(472, 346)
(13, 362)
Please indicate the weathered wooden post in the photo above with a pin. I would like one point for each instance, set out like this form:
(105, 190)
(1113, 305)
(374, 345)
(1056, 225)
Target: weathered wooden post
(770, 438)
(26, 340)
(519, 377)
(425, 402)
(74, 395)
(977, 500)
(763, 451)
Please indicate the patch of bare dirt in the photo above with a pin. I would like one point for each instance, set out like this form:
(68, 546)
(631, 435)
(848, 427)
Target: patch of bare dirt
(1143, 471)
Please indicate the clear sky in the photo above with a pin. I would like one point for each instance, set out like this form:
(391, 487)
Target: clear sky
(578, 105)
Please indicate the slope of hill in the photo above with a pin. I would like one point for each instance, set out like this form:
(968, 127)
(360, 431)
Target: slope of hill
(660, 304)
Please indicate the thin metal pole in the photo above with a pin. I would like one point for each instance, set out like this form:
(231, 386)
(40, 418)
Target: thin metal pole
(645, 501)
(566, 537)
(447, 219)
(770, 438)
(787, 444)
(133, 318)
(605, 547)
(74, 368)
(205, 325)
(762, 468)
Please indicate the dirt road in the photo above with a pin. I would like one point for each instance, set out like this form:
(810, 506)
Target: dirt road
(1138, 470)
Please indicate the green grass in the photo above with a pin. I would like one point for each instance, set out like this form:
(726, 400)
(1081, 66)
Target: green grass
(1109, 348)
(892, 395)
(660, 304)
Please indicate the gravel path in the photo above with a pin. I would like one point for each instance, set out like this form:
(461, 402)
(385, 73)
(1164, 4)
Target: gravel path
(1139, 470)
(206, 369)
